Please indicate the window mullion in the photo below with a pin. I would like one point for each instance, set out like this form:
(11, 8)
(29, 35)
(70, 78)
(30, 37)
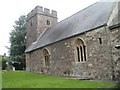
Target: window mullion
(81, 51)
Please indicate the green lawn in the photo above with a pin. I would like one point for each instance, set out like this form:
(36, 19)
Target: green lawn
(21, 79)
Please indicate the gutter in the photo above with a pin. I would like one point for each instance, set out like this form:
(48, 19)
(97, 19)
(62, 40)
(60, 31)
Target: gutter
(114, 26)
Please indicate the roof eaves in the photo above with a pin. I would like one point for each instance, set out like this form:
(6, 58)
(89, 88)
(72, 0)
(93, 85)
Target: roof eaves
(66, 38)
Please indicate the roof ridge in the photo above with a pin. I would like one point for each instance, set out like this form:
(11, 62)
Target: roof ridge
(42, 34)
(109, 15)
(77, 12)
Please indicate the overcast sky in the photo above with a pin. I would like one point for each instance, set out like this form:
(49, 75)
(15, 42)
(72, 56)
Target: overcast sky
(10, 10)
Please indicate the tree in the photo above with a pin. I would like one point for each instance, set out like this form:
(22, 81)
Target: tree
(17, 40)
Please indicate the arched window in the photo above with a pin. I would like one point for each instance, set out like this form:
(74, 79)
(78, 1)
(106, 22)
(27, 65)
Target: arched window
(46, 57)
(81, 50)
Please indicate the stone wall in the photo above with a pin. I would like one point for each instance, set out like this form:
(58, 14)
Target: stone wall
(37, 23)
(115, 53)
(98, 64)
(63, 57)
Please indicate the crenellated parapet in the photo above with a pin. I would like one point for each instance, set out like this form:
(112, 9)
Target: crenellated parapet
(42, 11)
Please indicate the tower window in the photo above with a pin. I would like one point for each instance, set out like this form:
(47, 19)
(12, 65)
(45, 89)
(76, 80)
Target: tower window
(48, 22)
(100, 40)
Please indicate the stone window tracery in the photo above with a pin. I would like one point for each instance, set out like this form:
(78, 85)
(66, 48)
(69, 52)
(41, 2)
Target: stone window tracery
(81, 50)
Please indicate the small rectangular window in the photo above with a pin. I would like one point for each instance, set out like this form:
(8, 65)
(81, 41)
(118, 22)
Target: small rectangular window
(100, 40)
(48, 22)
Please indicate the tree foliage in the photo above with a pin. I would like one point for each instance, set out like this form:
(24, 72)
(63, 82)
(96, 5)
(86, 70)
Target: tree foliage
(17, 40)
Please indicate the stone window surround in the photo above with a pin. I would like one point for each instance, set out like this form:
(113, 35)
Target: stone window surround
(100, 40)
(80, 45)
(46, 54)
(48, 22)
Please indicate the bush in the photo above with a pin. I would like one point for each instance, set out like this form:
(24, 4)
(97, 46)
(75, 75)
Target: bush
(4, 65)
(4, 60)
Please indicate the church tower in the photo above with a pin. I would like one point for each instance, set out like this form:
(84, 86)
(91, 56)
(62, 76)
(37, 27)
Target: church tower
(38, 20)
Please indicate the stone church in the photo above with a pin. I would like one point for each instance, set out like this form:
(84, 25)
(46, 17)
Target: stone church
(85, 45)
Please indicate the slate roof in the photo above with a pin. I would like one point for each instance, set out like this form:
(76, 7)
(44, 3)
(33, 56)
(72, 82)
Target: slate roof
(87, 19)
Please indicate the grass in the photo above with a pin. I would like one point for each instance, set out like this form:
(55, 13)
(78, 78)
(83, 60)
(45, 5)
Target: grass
(21, 79)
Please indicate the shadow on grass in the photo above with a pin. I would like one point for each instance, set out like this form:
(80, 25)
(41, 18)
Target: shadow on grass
(118, 85)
